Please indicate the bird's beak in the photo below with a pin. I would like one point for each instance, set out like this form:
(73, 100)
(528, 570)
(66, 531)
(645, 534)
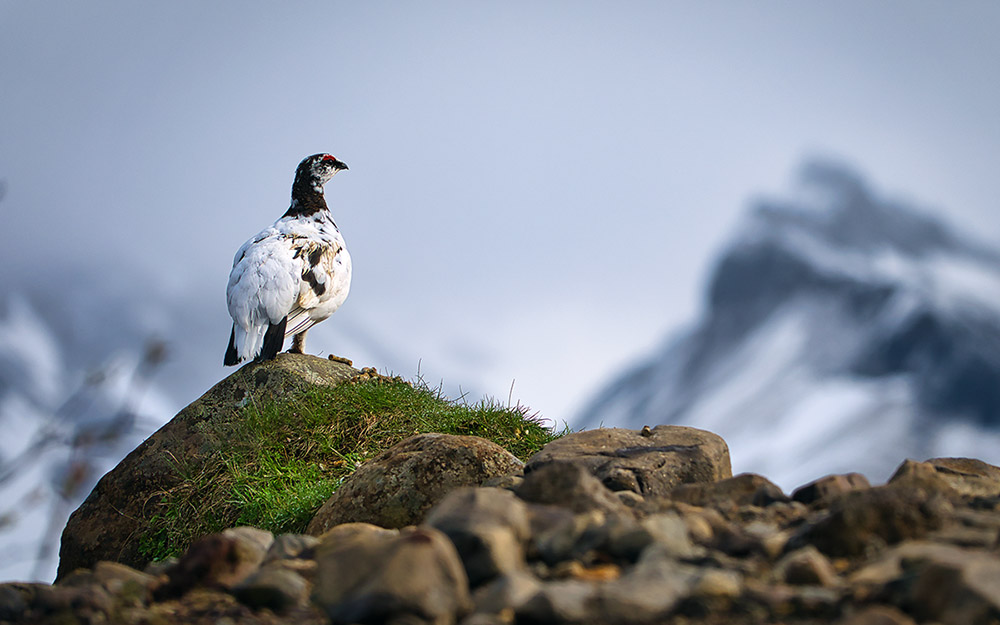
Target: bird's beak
(338, 165)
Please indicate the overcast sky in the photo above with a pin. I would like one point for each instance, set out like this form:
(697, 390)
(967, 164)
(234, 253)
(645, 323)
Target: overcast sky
(536, 189)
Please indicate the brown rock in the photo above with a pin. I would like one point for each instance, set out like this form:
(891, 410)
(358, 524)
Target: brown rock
(877, 615)
(650, 465)
(742, 490)
(399, 486)
(571, 486)
(130, 586)
(948, 584)
(219, 561)
(112, 521)
(366, 576)
(830, 486)
(488, 526)
(291, 546)
(807, 566)
(862, 520)
(959, 476)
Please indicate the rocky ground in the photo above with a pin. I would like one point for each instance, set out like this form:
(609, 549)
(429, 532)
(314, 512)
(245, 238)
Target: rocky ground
(600, 526)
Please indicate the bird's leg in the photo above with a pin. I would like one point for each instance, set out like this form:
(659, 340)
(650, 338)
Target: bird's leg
(298, 343)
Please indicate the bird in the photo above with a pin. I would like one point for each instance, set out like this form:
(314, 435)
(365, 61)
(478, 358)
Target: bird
(291, 275)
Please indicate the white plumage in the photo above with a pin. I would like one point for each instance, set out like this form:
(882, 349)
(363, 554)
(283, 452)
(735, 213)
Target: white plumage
(291, 275)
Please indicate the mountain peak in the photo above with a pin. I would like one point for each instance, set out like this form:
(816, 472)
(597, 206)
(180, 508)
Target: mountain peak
(838, 319)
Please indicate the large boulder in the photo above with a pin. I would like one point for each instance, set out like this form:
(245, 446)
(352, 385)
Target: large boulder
(111, 521)
(398, 487)
(650, 462)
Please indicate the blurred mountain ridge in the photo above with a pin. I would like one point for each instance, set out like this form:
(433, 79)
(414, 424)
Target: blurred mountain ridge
(840, 329)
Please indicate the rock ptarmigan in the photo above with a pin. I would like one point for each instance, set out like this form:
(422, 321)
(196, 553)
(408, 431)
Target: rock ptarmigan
(292, 275)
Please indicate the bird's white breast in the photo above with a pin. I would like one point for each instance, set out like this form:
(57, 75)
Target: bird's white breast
(297, 263)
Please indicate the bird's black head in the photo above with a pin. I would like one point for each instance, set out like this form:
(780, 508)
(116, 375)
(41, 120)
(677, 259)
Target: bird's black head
(317, 169)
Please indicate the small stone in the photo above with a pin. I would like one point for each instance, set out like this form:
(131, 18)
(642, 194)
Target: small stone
(571, 486)
(288, 546)
(718, 583)
(252, 540)
(742, 490)
(508, 592)
(561, 601)
(364, 576)
(275, 588)
(670, 531)
(948, 584)
(159, 567)
(130, 586)
(488, 526)
(574, 569)
(807, 566)
(829, 486)
(630, 499)
(565, 541)
(877, 615)
(216, 561)
(507, 482)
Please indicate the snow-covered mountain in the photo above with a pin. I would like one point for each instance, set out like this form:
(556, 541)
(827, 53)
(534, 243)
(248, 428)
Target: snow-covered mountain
(63, 427)
(841, 331)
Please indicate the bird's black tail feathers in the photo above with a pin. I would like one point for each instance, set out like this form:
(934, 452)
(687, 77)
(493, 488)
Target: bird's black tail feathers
(274, 339)
(232, 356)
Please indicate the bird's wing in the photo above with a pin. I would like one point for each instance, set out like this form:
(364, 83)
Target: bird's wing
(265, 281)
(319, 271)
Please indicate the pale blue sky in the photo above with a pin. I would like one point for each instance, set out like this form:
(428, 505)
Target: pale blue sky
(536, 188)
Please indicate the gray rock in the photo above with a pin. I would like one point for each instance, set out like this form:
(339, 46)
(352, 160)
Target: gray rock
(571, 486)
(508, 482)
(399, 486)
(506, 593)
(562, 601)
(651, 465)
(368, 576)
(648, 592)
(746, 489)
(275, 588)
(593, 536)
(220, 561)
(288, 546)
(830, 486)
(670, 531)
(488, 526)
(130, 586)
(944, 583)
(251, 540)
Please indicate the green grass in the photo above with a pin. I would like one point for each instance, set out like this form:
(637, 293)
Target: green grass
(273, 464)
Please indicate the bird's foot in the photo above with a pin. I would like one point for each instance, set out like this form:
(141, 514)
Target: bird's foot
(346, 361)
(294, 350)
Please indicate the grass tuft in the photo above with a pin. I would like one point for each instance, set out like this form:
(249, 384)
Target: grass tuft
(272, 464)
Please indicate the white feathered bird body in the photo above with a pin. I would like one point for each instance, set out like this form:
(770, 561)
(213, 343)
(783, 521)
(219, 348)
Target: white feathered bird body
(291, 275)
